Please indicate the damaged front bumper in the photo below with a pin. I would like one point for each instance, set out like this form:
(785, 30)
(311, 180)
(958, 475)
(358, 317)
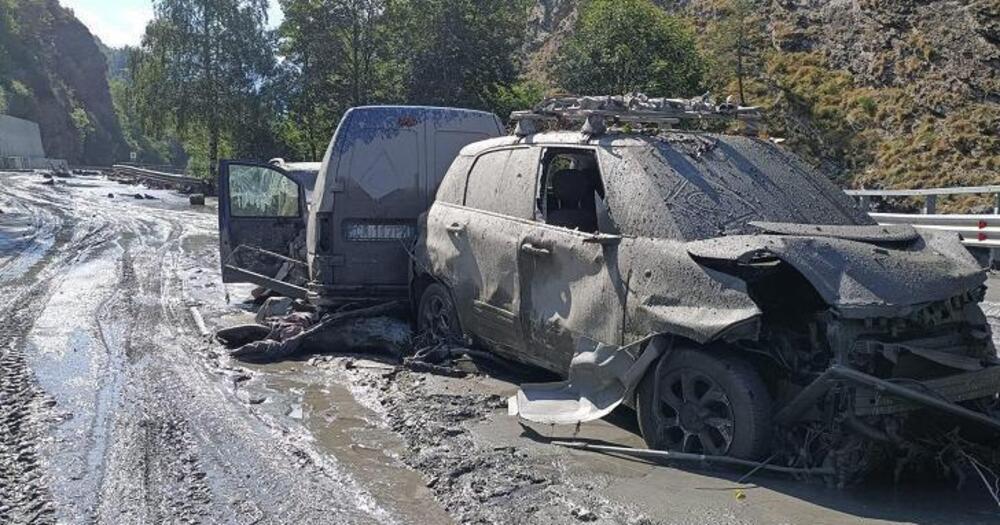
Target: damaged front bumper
(876, 397)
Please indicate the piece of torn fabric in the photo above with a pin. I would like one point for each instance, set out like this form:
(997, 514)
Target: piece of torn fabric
(599, 381)
(294, 332)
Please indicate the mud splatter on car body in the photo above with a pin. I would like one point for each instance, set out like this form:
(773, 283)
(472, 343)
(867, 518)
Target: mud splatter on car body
(751, 272)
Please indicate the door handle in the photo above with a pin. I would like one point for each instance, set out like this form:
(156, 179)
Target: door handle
(456, 228)
(531, 249)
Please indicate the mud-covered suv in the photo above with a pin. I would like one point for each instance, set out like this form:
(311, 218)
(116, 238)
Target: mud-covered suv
(738, 299)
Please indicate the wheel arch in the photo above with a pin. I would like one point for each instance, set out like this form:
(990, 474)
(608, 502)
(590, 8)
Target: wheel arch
(671, 342)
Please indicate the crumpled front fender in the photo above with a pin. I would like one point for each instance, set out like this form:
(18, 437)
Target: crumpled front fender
(861, 279)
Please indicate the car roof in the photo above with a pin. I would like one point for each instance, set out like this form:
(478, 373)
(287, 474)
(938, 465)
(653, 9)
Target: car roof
(421, 109)
(567, 138)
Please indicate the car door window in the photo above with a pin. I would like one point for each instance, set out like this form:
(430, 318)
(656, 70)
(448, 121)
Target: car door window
(571, 190)
(504, 182)
(258, 191)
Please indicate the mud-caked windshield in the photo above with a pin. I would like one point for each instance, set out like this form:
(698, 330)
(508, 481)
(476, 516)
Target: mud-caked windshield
(716, 185)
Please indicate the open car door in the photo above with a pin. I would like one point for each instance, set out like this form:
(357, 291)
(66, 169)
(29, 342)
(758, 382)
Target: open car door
(262, 227)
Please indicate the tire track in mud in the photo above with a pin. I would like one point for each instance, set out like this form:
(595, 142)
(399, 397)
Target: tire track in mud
(30, 248)
(75, 232)
(24, 495)
(185, 449)
(152, 471)
(270, 475)
(178, 447)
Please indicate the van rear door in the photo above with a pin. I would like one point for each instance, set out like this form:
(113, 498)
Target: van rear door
(262, 227)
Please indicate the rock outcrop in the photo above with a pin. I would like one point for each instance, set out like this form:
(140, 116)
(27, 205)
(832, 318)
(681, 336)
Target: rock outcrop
(57, 77)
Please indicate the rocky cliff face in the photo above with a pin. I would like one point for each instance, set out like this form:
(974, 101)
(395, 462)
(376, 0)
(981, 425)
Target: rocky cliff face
(58, 78)
(950, 48)
(944, 52)
(875, 92)
(549, 22)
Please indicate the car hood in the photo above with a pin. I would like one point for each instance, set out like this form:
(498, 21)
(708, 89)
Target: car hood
(860, 279)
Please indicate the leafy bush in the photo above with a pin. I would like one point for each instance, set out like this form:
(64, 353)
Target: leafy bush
(621, 46)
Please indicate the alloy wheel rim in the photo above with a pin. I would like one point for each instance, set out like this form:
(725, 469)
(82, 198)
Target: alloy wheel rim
(694, 413)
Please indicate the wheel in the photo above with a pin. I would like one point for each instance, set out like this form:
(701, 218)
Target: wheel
(705, 402)
(436, 315)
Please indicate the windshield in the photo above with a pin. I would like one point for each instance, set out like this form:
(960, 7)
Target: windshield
(717, 185)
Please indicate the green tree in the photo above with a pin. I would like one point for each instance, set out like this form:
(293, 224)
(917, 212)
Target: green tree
(201, 69)
(735, 43)
(622, 46)
(6, 38)
(335, 57)
(6, 35)
(458, 52)
(524, 94)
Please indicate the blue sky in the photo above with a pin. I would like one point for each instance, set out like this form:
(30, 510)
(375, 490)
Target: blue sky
(121, 22)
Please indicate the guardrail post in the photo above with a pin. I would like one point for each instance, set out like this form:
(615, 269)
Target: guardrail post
(930, 205)
(866, 203)
(996, 204)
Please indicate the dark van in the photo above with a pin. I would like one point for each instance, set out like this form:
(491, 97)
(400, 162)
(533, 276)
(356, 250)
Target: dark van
(345, 239)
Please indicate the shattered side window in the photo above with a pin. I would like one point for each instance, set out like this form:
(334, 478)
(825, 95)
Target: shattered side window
(256, 191)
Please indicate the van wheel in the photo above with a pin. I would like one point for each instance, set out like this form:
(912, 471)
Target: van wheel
(436, 315)
(703, 402)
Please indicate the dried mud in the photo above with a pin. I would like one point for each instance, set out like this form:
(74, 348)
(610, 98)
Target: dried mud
(114, 409)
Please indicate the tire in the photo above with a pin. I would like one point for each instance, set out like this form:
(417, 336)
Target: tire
(436, 315)
(723, 406)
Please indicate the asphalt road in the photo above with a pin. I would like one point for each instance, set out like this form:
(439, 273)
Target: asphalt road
(115, 409)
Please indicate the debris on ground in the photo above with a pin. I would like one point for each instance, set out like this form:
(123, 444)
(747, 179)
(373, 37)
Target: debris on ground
(298, 331)
(583, 514)
(199, 321)
(274, 307)
(688, 457)
(479, 481)
(197, 199)
(237, 336)
(451, 360)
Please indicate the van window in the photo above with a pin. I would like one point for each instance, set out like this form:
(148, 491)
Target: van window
(256, 191)
(504, 182)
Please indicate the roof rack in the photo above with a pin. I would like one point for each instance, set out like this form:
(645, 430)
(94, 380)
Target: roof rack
(594, 112)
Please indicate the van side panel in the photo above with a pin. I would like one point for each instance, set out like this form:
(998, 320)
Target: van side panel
(381, 173)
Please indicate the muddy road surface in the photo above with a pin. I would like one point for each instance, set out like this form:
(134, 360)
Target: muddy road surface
(114, 408)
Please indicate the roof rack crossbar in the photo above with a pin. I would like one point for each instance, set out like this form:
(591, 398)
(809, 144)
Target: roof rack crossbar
(635, 109)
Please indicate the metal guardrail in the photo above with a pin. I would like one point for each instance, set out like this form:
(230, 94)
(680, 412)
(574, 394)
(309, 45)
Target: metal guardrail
(929, 195)
(976, 231)
(182, 182)
(162, 168)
